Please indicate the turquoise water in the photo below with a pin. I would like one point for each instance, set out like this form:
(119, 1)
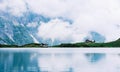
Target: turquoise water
(59, 60)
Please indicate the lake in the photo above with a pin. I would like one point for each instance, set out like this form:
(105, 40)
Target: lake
(60, 60)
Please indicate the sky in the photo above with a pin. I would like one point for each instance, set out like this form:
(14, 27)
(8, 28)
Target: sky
(101, 16)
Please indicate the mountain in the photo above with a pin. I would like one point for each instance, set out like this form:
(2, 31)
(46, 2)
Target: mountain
(19, 30)
(91, 44)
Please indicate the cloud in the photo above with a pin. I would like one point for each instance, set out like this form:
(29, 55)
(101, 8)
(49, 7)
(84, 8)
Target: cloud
(57, 29)
(101, 16)
(14, 7)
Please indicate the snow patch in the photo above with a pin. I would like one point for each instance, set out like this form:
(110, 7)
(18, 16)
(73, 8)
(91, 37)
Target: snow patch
(15, 23)
(35, 40)
(33, 24)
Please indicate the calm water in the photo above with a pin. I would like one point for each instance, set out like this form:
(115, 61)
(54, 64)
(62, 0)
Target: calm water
(60, 60)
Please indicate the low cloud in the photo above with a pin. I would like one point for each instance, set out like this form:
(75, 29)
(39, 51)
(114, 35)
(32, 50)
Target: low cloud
(57, 29)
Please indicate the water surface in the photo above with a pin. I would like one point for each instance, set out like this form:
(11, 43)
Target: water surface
(59, 60)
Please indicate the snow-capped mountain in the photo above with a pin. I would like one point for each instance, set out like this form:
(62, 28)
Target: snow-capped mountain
(20, 30)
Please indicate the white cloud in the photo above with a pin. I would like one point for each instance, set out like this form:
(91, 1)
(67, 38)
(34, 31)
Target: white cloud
(101, 16)
(57, 29)
(14, 7)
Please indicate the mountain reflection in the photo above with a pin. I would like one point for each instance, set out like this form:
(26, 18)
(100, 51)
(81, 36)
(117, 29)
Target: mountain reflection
(94, 57)
(57, 62)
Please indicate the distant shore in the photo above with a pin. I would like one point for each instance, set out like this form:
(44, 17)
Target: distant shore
(81, 44)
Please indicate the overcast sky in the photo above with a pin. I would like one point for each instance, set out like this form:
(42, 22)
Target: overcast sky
(102, 16)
